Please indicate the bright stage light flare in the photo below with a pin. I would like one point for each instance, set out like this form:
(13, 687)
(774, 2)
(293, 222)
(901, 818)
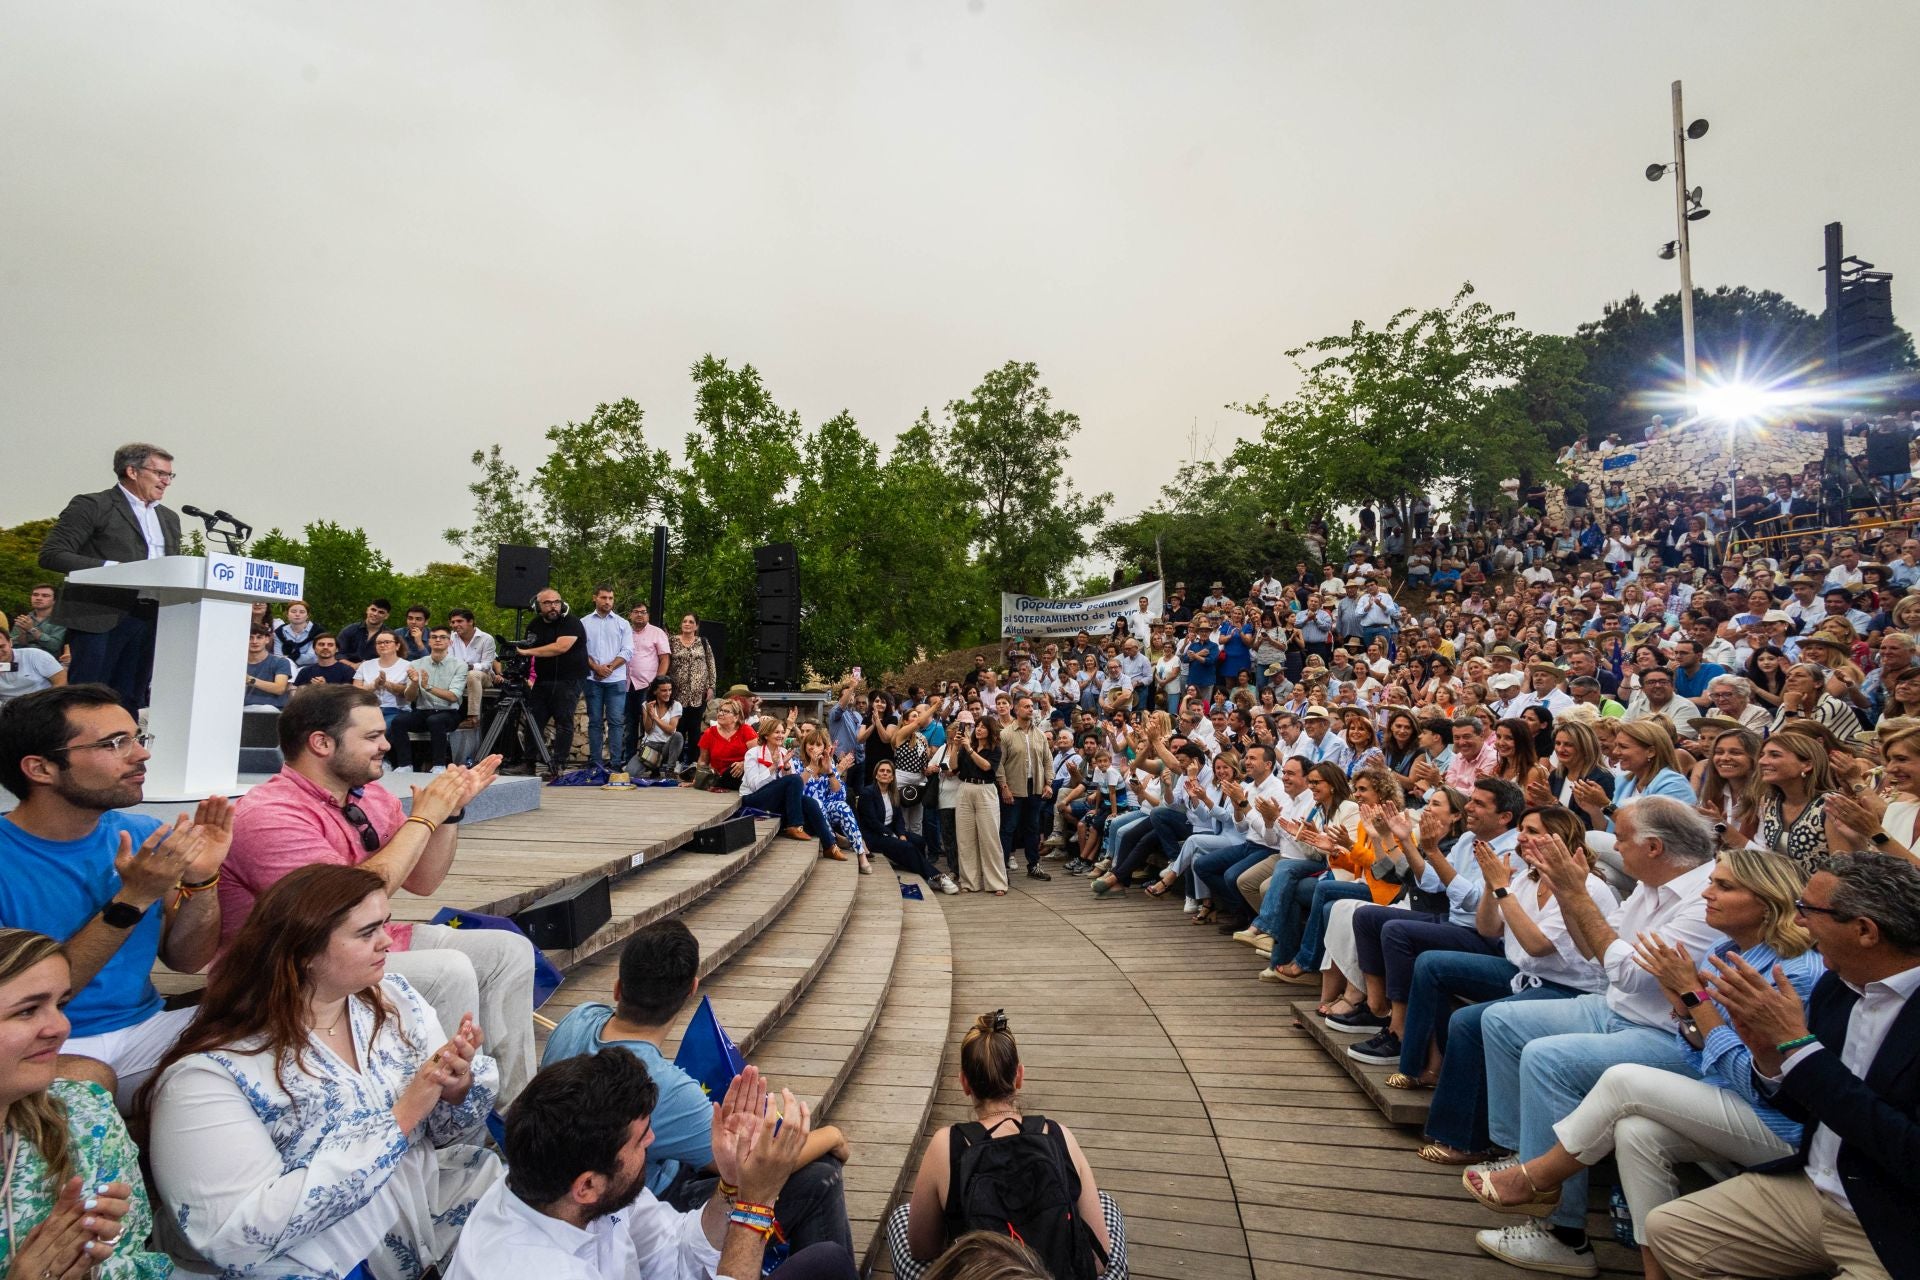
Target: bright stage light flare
(1737, 403)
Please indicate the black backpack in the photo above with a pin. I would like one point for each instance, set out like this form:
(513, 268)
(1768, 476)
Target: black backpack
(1024, 1186)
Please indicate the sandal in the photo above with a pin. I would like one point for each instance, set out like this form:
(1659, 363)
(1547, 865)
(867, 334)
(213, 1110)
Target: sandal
(1401, 1080)
(1203, 916)
(1538, 1203)
(999, 893)
(1331, 1007)
(1441, 1153)
(1158, 889)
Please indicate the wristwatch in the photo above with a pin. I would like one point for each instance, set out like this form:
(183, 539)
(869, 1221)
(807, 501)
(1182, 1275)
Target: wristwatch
(1693, 999)
(1609, 809)
(1880, 837)
(1501, 891)
(122, 915)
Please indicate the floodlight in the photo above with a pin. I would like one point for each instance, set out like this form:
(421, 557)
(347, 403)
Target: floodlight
(1694, 215)
(1655, 172)
(1697, 130)
(1668, 249)
(1733, 403)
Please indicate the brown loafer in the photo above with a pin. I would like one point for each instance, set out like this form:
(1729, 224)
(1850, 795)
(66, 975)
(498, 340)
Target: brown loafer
(835, 854)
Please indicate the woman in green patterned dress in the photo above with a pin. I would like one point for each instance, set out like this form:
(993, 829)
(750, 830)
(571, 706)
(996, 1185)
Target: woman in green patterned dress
(72, 1204)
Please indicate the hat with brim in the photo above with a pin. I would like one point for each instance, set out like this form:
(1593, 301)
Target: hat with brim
(1724, 724)
(1546, 668)
(1823, 640)
(739, 691)
(1777, 615)
(1274, 669)
(1315, 712)
(1502, 651)
(1507, 680)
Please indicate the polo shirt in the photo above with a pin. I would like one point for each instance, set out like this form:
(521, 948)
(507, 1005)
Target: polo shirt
(56, 886)
(289, 822)
(1694, 684)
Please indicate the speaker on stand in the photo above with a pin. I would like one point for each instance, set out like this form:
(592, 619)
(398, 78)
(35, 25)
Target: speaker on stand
(776, 653)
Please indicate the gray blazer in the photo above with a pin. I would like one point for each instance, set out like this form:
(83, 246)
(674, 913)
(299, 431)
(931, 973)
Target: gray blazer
(96, 528)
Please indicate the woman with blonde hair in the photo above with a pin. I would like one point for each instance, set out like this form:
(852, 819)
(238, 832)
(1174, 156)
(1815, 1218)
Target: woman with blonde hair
(1646, 766)
(1798, 781)
(991, 1076)
(1577, 756)
(1883, 820)
(1652, 1120)
(76, 1207)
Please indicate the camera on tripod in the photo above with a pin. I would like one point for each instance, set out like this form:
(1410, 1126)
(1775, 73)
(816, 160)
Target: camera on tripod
(516, 668)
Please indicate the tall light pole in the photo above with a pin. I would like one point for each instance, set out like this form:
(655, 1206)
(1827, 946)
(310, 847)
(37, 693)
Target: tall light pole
(1686, 209)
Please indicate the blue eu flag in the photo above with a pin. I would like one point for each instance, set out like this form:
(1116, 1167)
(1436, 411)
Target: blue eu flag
(546, 978)
(707, 1053)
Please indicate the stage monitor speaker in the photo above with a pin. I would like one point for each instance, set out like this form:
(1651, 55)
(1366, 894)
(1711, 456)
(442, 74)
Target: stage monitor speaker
(776, 670)
(715, 634)
(723, 837)
(1887, 454)
(563, 920)
(778, 555)
(519, 574)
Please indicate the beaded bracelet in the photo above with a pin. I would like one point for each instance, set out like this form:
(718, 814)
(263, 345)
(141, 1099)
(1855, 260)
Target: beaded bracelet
(1788, 1046)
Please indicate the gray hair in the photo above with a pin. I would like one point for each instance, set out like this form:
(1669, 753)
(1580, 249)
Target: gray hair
(1739, 684)
(1685, 837)
(1881, 888)
(1900, 639)
(136, 456)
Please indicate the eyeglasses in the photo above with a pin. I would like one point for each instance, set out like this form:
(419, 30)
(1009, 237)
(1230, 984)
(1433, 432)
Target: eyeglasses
(1807, 908)
(164, 477)
(120, 744)
(369, 838)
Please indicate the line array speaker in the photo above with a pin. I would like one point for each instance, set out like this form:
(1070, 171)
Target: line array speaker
(776, 665)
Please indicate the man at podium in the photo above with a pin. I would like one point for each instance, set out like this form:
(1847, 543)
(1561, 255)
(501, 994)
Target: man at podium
(110, 630)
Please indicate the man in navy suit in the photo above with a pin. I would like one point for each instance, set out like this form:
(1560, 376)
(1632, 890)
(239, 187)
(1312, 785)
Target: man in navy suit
(1848, 1067)
(109, 630)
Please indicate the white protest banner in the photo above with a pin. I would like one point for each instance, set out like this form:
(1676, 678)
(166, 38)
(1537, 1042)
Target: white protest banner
(1036, 616)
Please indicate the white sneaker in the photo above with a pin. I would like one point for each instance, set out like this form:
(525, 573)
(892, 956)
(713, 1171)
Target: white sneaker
(946, 885)
(1532, 1246)
(1191, 906)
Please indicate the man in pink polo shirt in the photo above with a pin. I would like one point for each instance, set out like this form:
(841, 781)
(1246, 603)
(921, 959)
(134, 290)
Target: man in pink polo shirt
(326, 805)
(651, 652)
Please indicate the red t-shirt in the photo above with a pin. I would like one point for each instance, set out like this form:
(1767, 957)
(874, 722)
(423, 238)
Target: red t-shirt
(723, 752)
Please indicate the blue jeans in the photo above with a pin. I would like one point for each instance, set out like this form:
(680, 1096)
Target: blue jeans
(1110, 842)
(1313, 941)
(606, 700)
(1020, 824)
(1216, 872)
(1542, 1058)
(1289, 894)
(786, 797)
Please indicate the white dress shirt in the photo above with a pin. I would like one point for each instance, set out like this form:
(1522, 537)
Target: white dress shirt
(609, 636)
(1867, 1026)
(505, 1236)
(1676, 911)
(478, 653)
(147, 516)
(1251, 824)
(1565, 966)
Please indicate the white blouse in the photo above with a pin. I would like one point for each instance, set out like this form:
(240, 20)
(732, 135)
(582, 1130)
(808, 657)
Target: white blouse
(1566, 966)
(314, 1178)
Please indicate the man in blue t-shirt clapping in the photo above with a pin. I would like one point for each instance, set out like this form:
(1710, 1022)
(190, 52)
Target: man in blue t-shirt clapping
(119, 889)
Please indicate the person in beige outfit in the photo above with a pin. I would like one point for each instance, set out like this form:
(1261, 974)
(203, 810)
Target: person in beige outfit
(976, 810)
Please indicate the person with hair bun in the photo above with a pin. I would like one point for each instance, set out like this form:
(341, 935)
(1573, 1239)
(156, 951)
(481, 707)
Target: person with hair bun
(75, 1204)
(921, 1230)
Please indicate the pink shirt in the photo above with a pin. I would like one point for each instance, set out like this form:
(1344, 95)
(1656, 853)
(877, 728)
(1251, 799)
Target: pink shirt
(287, 822)
(650, 653)
(1462, 773)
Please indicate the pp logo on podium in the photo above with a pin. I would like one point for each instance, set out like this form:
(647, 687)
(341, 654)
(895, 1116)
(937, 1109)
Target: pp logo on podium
(223, 572)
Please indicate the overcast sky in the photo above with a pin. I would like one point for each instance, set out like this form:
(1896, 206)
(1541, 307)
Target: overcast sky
(321, 251)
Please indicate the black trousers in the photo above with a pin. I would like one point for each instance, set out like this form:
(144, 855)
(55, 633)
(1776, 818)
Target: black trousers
(554, 700)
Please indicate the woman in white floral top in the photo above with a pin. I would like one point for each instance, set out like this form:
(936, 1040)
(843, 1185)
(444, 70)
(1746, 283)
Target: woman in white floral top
(72, 1201)
(314, 1115)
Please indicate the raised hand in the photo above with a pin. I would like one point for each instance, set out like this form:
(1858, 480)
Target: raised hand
(445, 795)
(1668, 963)
(423, 1092)
(458, 1058)
(736, 1123)
(775, 1152)
(160, 863)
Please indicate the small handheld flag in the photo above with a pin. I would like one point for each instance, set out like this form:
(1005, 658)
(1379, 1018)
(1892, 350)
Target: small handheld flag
(546, 978)
(707, 1053)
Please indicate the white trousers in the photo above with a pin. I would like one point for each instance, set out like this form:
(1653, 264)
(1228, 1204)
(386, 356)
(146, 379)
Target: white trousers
(485, 972)
(1652, 1120)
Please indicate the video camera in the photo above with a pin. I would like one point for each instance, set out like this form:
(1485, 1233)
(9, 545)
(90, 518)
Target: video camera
(516, 668)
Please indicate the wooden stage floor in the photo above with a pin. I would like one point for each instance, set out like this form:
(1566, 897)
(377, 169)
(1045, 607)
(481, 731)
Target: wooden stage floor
(1235, 1146)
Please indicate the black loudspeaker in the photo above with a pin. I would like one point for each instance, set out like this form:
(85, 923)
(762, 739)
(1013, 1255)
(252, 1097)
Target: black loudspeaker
(562, 921)
(519, 574)
(776, 671)
(715, 634)
(778, 555)
(778, 637)
(779, 611)
(723, 837)
(1887, 454)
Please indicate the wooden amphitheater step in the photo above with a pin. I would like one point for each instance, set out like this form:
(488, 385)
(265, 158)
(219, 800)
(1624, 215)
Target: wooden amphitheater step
(654, 890)
(884, 1107)
(763, 938)
(1401, 1106)
(814, 1048)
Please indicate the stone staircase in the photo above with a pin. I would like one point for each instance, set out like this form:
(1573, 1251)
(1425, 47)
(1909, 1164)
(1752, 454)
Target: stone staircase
(832, 983)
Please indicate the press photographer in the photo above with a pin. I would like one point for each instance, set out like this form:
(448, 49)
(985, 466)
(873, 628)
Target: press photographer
(558, 646)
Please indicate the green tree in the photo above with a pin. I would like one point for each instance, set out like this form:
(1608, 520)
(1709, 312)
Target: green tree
(1423, 404)
(20, 564)
(1208, 523)
(1006, 451)
(344, 570)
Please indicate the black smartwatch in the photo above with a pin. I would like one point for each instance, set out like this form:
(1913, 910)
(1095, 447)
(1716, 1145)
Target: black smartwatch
(1880, 837)
(1609, 809)
(1500, 892)
(453, 819)
(122, 915)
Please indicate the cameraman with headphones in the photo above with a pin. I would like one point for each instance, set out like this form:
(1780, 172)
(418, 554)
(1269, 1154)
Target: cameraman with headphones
(558, 646)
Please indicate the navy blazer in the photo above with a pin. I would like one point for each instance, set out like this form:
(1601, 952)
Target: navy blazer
(870, 812)
(1876, 1119)
(96, 528)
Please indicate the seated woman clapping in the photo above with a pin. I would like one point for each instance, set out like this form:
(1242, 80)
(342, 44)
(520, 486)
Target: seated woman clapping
(314, 1115)
(75, 1204)
(1365, 863)
(1651, 1120)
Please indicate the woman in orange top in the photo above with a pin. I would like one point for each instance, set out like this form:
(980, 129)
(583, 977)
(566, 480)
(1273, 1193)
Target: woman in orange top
(1354, 868)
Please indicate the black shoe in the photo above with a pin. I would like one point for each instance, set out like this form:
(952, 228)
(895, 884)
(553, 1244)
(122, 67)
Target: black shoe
(1360, 1022)
(1035, 873)
(1383, 1050)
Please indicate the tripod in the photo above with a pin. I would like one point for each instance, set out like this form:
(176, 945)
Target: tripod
(513, 710)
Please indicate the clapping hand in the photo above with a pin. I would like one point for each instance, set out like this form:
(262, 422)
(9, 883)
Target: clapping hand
(1765, 1014)
(1550, 856)
(1857, 816)
(1589, 795)
(1495, 871)
(171, 854)
(1669, 963)
(457, 1057)
(72, 1238)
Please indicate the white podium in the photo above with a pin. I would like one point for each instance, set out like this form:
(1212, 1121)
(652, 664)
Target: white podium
(199, 661)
